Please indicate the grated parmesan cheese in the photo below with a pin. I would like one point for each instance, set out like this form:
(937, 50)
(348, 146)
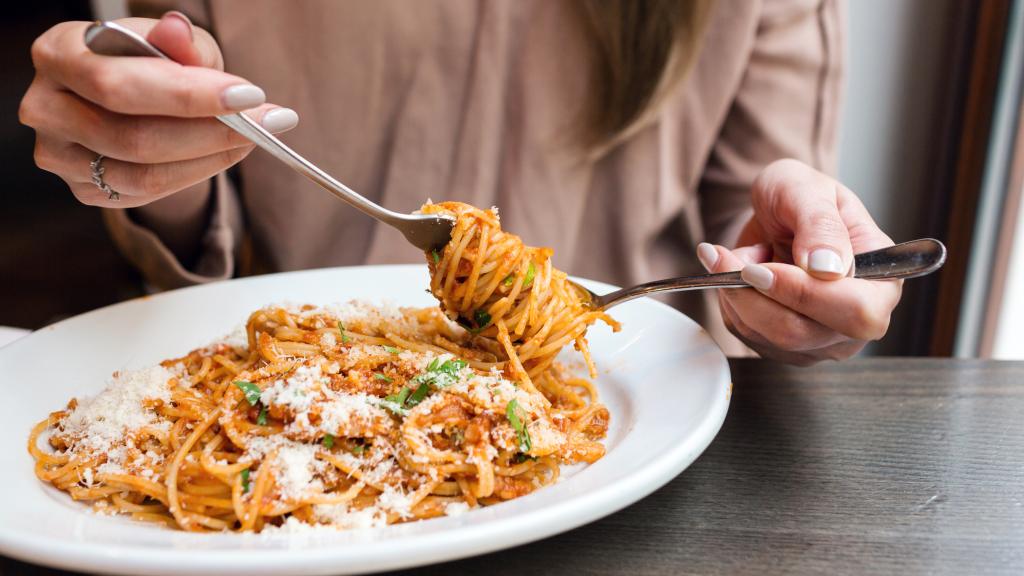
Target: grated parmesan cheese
(345, 518)
(102, 423)
(456, 508)
(296, 467)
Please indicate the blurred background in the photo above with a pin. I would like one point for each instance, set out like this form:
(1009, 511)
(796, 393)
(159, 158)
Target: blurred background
(932, 141)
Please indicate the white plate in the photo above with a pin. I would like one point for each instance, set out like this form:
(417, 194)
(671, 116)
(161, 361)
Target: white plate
(665, 382)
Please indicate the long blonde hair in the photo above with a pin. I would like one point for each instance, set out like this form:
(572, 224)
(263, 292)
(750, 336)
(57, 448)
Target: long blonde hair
(641, 50)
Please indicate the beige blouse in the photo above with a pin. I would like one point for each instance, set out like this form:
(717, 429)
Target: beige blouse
(472, 100)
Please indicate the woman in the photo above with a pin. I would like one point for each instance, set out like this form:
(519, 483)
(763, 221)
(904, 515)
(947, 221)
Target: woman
(618, 132)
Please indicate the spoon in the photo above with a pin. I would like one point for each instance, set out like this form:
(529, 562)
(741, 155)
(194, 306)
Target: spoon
(906, 260)
(425, 231)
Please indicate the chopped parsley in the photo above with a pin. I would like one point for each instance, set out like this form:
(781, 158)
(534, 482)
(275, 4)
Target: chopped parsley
(438, 375)
(437, 257)
(522, 434)
(396, 402)
(482, 319)
(252, 391)
(418, 395)
(245, 481)
(379, 376)
(392, 350)
(358, 449)
(328, 441)
(400, 397)
(531, 271)
(341, 330)
(441, 374)
(261, 420)
(520, 458)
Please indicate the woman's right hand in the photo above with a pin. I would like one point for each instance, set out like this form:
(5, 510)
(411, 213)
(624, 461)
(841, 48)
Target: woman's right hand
(153, 120)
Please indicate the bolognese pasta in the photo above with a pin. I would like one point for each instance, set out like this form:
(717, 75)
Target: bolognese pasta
(349, 416)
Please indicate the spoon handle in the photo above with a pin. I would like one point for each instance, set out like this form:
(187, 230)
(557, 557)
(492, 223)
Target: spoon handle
(906, 260)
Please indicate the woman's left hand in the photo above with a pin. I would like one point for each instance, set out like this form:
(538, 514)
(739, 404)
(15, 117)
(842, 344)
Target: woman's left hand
(797, 251)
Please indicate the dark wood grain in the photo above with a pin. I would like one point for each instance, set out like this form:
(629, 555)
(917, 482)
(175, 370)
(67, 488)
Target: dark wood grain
(875, 466)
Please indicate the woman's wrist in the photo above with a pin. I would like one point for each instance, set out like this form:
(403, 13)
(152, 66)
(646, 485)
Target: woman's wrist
(179, 220)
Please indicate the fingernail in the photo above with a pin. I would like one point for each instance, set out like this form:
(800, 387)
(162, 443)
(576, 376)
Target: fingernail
(758, 276)
(183, 18)
(707, 255)
(280, 119)
(243, 97)
(825, 260)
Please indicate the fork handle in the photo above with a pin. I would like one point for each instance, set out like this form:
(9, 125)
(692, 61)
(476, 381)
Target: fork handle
(112, 39)
(906, 260)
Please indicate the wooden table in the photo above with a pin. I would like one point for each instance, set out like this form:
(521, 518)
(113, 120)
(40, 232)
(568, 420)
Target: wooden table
(873, 466)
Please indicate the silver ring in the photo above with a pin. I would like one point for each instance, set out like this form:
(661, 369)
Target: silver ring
(97, 178)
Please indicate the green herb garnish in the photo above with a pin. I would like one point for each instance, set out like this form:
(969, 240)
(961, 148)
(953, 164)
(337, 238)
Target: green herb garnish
(344, 336)
(437, 257)
(379, 376)
(512, 413)
(418, 395)
(358, 449)
(530, 273)
(245, 481)
(482, 319)
(328, 441)
(438, 375)
(392, 350)
(262, 418)
(252, 391)
(520, 458)
(397, 399)
(441, 374)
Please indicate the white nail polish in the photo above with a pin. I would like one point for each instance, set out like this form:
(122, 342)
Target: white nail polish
(825, 260)
(707, 255)
(243, 97)
(758, 276)
(280, 119)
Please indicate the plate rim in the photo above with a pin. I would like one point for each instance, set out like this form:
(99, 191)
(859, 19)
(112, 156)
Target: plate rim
(474, 540)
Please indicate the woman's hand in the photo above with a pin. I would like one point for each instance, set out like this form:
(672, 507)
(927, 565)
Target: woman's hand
(152, 119)
(797, 251)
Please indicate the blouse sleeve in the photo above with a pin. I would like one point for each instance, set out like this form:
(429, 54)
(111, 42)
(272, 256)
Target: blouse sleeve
(218, 250)
(787, 106)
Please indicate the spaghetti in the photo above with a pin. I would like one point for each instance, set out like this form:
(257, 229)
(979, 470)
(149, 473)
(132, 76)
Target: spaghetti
(497, 287)
(351, 416)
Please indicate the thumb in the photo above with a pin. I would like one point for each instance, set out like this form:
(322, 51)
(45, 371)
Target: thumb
(175, 36)
(821, 242)
(792, 200)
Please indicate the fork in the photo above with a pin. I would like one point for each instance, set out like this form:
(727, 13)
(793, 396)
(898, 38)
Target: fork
(906, 260)
(425, 231)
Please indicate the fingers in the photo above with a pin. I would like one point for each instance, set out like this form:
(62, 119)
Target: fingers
(173, 35)
(142, 86)
(137, 184)
(865, 235)
(139, 139)
(858, 309)
(760, 319)
(792, 199)
(176, 37)
(761, 345)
